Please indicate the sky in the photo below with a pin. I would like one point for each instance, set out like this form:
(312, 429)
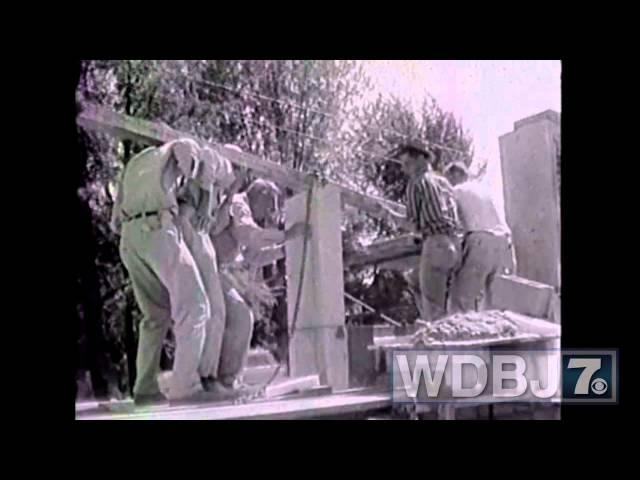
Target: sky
(488, 96)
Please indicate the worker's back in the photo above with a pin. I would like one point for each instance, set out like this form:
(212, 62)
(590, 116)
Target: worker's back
(146, 185)
(477, 210)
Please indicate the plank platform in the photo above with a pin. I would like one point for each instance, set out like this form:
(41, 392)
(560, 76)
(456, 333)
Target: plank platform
(340, 403)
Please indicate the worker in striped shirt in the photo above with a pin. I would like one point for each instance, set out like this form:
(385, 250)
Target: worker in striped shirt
(431, 213)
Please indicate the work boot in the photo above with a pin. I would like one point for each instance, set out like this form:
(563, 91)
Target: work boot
(208, 383)
(213, 384)
(149, 399)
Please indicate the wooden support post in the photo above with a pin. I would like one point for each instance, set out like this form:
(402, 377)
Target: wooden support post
(319, 342)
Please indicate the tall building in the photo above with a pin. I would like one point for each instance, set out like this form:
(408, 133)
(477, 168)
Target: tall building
(530, 158)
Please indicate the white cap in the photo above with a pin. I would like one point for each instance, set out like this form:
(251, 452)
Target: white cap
(186, 152)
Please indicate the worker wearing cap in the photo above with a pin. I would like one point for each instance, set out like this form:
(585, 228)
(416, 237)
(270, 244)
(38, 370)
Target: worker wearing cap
(486, 249)
(166, 281)
(431, 213)
(241, 243)
(265, 202)
(199, 202)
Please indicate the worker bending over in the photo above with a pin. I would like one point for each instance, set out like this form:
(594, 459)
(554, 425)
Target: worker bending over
(166, 280)
(242, 245)
(198, 205)
(486, 249)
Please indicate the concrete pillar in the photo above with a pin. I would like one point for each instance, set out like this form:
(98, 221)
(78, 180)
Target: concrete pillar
(531, 178)
(319, 344)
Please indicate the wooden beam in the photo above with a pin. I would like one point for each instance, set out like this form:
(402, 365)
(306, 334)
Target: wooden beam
(384, 251)
(403, 247)
(95, 117)
(341, 403)
(292, 385)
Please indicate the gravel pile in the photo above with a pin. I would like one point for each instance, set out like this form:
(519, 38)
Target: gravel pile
(489, 324)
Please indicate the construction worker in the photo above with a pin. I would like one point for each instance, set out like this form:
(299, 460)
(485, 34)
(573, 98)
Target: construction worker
(431, 213)
(265, 202)
(486, 249)
(197, 207)
(166, 281)
(242, 245)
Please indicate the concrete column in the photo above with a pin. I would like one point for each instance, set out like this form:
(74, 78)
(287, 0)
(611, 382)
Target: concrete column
(530, 172)
(319, 344)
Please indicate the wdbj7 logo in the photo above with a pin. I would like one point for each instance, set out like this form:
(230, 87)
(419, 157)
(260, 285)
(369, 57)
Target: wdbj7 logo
(589, 376)
(438, 375)
(460, 375)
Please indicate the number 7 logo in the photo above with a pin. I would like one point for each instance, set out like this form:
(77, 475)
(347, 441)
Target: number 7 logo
(591, 366)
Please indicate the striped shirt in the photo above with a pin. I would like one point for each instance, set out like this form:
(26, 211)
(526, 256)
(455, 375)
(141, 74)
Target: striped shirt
(431, 205)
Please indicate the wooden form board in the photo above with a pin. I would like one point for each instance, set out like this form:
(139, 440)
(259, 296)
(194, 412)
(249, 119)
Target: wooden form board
(356, 401)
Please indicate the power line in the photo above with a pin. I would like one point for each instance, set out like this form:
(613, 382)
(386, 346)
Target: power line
(328, 115)
(334, 176)
(311, 137)
(323, 140)
(300, 107)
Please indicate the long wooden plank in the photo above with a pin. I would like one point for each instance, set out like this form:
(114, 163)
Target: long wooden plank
(95, 117)
(384, 251)
(285, 409)
(126, 407)
(404, 246)
(292, 385)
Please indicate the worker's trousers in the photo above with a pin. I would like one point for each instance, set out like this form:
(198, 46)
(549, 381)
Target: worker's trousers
(237, 334)
(484, 255)
(236, 339)
(204, 254)
(167, 286)
(438, 260)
